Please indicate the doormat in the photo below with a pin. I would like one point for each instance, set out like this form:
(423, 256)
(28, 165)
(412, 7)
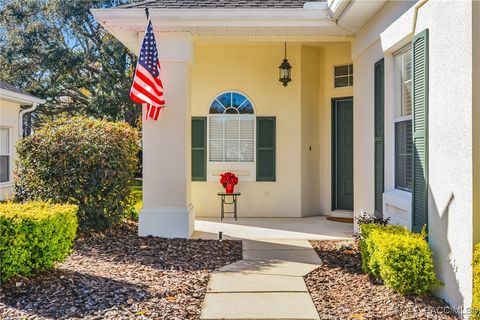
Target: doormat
(340, 219)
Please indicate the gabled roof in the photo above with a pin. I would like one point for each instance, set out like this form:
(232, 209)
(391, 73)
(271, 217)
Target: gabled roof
(10, 92)
(205, 4)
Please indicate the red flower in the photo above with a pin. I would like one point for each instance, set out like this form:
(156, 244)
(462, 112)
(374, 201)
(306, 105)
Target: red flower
(228, 178)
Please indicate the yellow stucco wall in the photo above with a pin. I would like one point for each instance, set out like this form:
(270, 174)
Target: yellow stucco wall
(9, 118)
(310, 151)
(330, 57)
(302, 111)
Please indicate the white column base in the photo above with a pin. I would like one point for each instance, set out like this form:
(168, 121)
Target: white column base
(167, 222)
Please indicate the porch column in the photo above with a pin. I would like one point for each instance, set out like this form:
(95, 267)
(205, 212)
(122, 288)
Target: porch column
(167, 210)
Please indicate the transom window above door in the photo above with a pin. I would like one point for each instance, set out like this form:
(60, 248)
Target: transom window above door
(343, 76)
(231, 128)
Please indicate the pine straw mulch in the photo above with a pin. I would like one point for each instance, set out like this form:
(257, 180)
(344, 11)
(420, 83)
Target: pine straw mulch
(117, 275)
(340, 290)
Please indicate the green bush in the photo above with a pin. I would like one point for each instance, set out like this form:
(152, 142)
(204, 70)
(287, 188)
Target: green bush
(476, 284)
(34, 236)
(368, 248)
(87, 162)
(403, 260)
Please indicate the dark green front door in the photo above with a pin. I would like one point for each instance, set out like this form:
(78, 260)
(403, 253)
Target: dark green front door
(342, 186)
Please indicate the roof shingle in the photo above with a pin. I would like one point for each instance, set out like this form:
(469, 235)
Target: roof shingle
(205, 4)
(12, 88)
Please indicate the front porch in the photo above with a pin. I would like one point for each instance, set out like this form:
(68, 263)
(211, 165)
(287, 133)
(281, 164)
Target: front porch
(309, 228)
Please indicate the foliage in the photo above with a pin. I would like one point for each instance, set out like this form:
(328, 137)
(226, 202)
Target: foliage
(136, 194)
(366, 218)
(35, 236)
(370, 218)
(87, 162)
(476, 284)
(55, 50)
(402, 259)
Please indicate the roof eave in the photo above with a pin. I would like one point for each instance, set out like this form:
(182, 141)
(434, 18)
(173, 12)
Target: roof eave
(21, 98)
(216, 17)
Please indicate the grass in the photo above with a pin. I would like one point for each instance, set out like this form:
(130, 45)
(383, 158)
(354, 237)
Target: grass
(137, 196)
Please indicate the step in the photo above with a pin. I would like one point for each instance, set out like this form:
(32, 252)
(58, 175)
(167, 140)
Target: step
(273, 267)
(247, 282)
(271, 305)
(308, 256)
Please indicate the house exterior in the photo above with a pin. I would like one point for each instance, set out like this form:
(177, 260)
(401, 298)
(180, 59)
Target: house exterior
(14, 103)
(382, 115)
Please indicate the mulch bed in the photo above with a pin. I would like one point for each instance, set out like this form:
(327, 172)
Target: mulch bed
(117, 275)
(340, 290)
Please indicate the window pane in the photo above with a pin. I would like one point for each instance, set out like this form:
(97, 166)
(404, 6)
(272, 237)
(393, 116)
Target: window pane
(246, 108)
(237, 99)
(231, 150)
(216, 128)
(4, 141)
(4, 168)
(216, 150)
(232, 128)
(341, 71)
(225, 99)
(216, 107)
(247, 128)
(246, 151)
(403, 82)
(341, 82)
(350, 79)
(351, 68)
(403, 155)
(407, 99)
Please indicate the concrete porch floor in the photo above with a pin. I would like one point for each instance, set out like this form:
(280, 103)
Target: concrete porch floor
(309, 228)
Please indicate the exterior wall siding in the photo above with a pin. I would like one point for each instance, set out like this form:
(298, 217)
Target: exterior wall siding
(303, 119)
(331, 56)
(310, 151)
(253, 70)
(9, 118)
(450, 130)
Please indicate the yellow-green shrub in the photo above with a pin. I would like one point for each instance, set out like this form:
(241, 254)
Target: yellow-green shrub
(34, 235)
(402, 259)
(368, 248)
(476, 284)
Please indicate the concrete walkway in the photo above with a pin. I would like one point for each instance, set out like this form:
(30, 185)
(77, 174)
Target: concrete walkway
(267, 284)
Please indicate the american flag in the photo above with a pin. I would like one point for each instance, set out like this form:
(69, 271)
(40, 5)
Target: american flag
(147, 88)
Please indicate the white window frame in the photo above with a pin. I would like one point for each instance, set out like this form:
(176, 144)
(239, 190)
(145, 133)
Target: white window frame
(398, 106)
(9, 154)
(246, 171)
(348, 75)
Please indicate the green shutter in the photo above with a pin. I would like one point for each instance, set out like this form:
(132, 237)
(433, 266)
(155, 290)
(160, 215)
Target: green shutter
(199, 149)
(379, 84)
(420, 131)
(265, 148)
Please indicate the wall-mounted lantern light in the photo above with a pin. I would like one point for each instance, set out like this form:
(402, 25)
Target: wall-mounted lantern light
(285, 70)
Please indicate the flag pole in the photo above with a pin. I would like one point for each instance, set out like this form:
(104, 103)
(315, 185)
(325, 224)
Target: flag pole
(147, 13)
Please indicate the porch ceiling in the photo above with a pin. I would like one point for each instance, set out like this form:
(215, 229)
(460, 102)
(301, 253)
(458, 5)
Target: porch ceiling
(238, 24)
(322, 22)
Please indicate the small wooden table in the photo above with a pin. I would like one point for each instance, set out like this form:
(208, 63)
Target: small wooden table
(223, 196)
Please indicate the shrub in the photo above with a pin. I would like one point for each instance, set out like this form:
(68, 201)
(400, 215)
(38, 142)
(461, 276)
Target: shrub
(368, 248)
(476, 284)
(34, 236)
(403, 260)
(366, 218)
(87, 162)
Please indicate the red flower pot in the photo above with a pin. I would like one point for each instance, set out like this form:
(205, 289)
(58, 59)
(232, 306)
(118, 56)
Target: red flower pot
(229, 188)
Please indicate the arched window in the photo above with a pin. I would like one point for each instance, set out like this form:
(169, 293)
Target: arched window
(231, 134)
